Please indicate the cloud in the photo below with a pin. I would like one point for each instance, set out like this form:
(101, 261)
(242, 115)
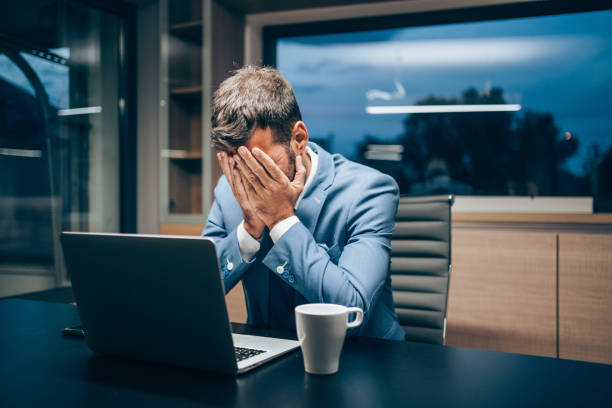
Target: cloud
(435, 53)
(398, 93)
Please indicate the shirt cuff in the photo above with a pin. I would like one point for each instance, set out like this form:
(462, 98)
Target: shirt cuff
(279, 229)
(248, 245)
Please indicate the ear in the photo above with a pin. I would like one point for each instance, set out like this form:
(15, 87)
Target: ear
(299, 137)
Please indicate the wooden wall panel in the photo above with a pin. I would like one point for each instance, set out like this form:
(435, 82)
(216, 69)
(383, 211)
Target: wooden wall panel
(502, 292)
(585, 297)
(236, 307)
(181, 229)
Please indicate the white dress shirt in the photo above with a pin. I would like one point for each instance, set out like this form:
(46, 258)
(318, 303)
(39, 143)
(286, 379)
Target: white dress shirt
(248, 245)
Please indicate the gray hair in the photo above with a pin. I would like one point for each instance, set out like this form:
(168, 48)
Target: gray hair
(253, 97)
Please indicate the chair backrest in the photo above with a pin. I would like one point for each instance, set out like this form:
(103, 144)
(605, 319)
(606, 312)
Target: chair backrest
(420, 266)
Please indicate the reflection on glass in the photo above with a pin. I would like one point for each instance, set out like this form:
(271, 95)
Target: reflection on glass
(26, 243)
(54, 77)
(11, 74)
(507, 107)
(59, 167)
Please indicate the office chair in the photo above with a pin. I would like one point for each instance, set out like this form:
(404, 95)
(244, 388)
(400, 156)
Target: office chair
(420, 266)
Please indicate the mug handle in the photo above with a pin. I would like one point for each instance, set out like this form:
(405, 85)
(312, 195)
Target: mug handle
(357, 320)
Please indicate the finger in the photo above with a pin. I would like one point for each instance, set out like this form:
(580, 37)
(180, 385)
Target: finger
(243, 188)
(248, 176)
(240, 193)
(255, 166)
(230, 165)
(300, 173)
(225, 167)
(271, 167)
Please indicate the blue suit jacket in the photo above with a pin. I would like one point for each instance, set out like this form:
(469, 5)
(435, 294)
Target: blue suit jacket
(338, 252)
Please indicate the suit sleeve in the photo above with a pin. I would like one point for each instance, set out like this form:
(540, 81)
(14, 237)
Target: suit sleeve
(361, 270)
(226, 241)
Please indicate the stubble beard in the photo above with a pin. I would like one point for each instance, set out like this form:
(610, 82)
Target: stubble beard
(291, 163)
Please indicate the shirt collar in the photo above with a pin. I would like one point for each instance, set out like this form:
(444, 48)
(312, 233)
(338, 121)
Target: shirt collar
(314, 163)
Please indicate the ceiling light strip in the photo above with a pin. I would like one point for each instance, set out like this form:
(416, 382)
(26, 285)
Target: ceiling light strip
(385, 110)
(79, 111)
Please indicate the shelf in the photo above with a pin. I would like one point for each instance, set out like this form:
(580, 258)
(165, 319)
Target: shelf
(189, 165)
(186, 90)
(179, 154)
(181, 151)
(190, 162)
(190, 94)
(194, 157)
(191, 156)
(190, 31)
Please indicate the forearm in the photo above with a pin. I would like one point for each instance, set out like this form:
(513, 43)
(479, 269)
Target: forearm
(354, 281)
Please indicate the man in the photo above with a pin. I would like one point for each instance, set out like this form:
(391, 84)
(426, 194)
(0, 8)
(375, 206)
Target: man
(294, 223)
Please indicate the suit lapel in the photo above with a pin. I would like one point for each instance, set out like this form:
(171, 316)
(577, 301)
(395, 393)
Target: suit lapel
(310, 207)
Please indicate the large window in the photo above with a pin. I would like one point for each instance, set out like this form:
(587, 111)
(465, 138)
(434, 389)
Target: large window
(516, 106)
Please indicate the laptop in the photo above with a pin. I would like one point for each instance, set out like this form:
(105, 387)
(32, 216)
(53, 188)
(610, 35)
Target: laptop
(159, 298)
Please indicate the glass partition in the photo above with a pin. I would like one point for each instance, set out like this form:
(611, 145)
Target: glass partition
(59, 134)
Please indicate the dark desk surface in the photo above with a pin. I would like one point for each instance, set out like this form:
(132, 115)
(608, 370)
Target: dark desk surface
(40, 368)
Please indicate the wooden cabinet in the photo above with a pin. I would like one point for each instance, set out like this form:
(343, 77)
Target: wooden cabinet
(546, 294)
(502, 293)
(585, 297)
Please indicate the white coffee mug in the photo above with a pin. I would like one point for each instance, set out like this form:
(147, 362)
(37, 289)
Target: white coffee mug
(321, 328)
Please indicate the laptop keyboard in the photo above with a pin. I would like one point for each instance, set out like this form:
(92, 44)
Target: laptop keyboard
(243, 353)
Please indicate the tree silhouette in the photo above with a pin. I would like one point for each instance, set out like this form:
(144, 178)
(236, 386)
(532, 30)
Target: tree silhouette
(473, 145)
(598, 169)
(495, 153)
(541, 153)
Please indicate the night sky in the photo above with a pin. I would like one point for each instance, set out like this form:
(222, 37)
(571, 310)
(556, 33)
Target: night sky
(558, 64)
